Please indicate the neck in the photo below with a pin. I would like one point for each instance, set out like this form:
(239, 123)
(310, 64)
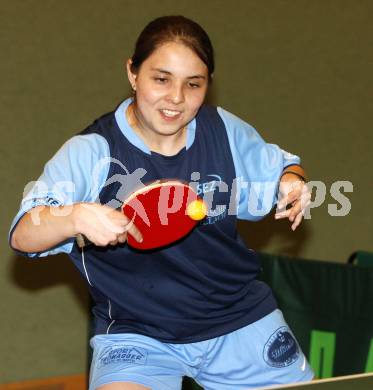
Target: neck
(166, 144)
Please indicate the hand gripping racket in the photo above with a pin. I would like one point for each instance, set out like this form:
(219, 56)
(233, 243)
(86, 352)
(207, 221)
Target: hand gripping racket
(164, 211)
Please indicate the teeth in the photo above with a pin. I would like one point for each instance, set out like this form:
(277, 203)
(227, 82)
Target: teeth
(170, 113)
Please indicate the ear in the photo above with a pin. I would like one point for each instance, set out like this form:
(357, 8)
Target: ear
(131, 76)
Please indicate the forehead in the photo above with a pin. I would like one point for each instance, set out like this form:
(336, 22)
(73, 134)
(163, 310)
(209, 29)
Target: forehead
(175, 58)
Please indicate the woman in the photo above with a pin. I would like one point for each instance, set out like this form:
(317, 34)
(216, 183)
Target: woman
(193, 308)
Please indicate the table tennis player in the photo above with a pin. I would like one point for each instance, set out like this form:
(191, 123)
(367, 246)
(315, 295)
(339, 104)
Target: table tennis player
(194, 307)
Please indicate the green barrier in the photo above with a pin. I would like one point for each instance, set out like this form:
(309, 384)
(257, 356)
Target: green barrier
(362, 258)
(329, 308)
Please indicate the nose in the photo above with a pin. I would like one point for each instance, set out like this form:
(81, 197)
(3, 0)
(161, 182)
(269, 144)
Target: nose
(176, 94)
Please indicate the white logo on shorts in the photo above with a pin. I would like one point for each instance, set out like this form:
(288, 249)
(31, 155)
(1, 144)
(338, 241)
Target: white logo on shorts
(281, 349)
(123, 354)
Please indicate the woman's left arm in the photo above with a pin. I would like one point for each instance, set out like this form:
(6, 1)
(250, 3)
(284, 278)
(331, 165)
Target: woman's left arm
(294, 195)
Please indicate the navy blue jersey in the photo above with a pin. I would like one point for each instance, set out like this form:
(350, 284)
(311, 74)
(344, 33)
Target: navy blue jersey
(201, 287)
(204, 285)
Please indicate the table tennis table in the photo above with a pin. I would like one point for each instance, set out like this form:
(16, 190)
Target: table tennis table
(350, 382)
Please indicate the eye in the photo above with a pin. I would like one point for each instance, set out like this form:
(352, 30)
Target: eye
(160, 80)
(194, 85)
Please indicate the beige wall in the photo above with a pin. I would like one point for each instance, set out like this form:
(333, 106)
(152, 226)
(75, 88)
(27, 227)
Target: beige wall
(299, 71)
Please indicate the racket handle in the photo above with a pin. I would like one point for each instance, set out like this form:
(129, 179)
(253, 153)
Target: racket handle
(82, 240)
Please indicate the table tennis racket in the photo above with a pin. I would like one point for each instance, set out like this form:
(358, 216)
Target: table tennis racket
(164, 211)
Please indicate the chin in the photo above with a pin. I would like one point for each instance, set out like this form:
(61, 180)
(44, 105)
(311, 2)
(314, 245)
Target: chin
(168, 132)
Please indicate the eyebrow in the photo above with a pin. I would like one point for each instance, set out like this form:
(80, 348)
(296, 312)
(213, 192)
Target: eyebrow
(197, 76)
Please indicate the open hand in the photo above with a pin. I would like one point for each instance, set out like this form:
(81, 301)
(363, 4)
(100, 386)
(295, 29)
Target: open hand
(294, 198)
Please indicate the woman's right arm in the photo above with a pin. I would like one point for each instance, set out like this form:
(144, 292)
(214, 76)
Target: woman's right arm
(44, 227)
(63, 202)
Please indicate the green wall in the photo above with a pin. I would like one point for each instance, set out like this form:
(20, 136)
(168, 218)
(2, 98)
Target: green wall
(300, 71)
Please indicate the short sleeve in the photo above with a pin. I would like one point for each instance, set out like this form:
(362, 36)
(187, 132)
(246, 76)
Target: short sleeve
(76, 173)
(258, 167)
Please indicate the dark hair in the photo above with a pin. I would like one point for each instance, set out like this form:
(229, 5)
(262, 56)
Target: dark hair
(173, 29)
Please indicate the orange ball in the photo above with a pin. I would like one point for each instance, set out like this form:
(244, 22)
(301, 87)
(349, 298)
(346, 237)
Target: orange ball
(197, 210)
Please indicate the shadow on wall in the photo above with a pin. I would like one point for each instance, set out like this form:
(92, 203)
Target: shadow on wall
(38, 274)
(258, 235)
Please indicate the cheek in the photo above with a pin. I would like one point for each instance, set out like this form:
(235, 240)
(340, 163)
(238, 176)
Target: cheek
(196, 101)
(146, 97)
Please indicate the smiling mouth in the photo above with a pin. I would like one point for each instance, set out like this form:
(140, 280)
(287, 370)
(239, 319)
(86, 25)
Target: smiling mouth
(170, 113)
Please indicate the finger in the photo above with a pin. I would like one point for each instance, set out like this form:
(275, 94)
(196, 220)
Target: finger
(101, 240)
(283, 214)
(134, 231)
(95, 237)
(298, 220)
(285, 201)
(305, 199)
(291, 212)
(295, 210)
(122, 238)
(289, 191)
(290, 198)
(108, 238)
(116, 222)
